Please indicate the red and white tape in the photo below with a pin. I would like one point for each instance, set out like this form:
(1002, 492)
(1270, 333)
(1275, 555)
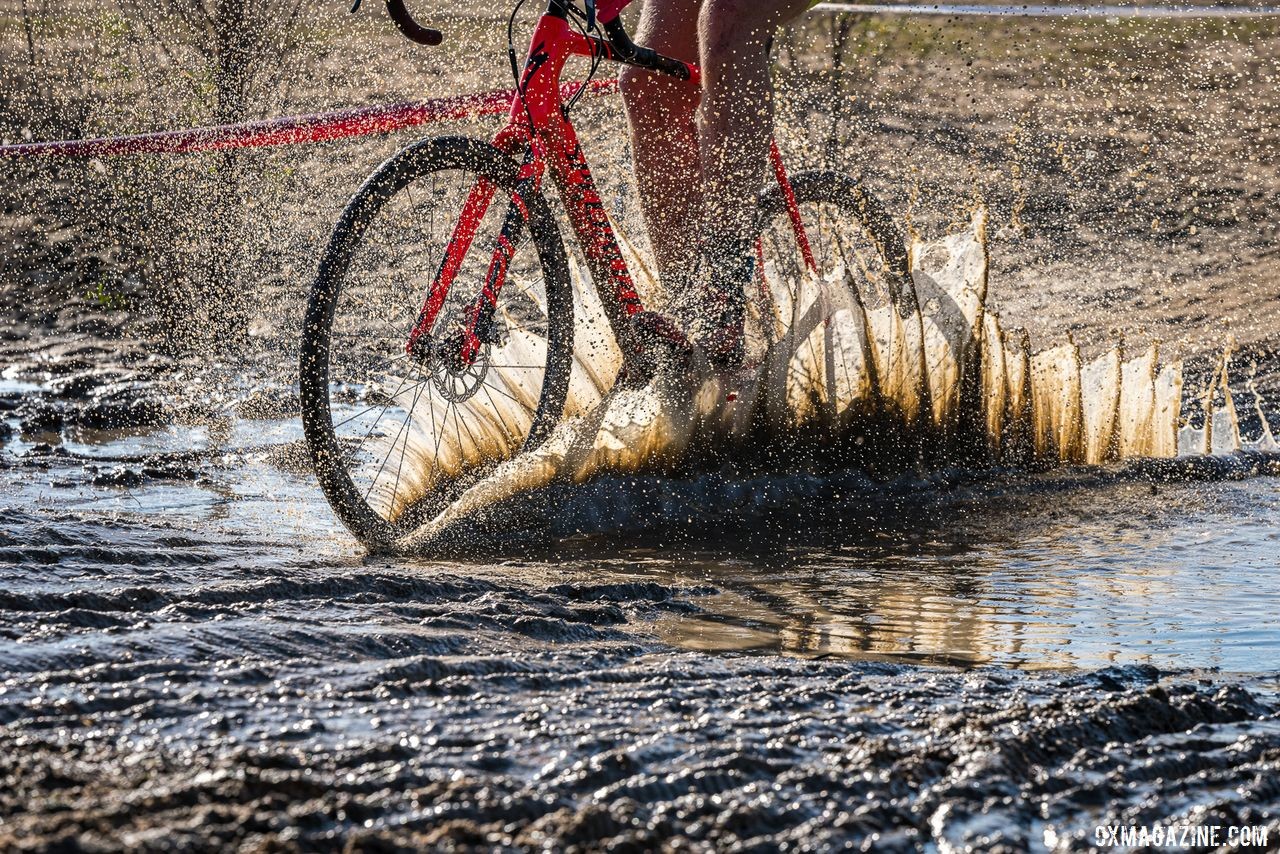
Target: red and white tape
(290, 130)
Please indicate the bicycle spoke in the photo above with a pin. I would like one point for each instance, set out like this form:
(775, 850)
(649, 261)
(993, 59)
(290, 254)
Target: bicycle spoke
(395, 490)
(785, 276)
(364, 411)
(438, 429)
(494, 406)
(374, 480)
(403, 429)
(457, 430)
(354, 417)
(511, 398)
(385, 407)
(533, 297)
(470, 435)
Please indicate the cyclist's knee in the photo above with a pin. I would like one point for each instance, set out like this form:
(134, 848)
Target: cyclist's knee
(636, 88)
(670, 27)
(649, 97)
(725, 25)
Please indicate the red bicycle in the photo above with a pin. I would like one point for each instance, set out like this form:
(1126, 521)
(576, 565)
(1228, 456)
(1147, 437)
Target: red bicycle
(440, 327)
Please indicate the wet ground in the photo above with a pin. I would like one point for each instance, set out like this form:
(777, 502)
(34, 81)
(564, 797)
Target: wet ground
(193, 655)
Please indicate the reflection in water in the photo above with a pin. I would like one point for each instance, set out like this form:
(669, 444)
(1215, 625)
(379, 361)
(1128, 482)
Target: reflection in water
(1041, 574)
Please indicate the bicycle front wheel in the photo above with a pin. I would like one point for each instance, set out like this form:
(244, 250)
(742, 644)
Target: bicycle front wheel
(394, 436)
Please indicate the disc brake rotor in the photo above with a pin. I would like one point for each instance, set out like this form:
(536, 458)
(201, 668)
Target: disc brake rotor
(458, 383)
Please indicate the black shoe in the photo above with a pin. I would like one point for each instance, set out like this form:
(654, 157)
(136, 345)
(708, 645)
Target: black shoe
(659, 344)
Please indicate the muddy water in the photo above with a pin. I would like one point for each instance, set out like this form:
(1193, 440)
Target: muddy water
(1066, 569)
(192, 654)
(192, 657)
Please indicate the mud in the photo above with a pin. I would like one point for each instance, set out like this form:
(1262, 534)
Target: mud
(383, 709)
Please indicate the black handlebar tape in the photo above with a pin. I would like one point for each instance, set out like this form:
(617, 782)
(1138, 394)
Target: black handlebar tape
(412, 30)
(629, 52)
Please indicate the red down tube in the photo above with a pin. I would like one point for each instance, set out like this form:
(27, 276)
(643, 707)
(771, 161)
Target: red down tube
(290, 130)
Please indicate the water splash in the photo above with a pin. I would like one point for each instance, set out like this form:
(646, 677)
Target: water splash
(932, 377)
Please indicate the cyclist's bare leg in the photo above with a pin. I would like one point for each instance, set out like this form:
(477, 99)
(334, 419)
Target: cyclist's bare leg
(735, 126)
(664, 140)
(735, 119)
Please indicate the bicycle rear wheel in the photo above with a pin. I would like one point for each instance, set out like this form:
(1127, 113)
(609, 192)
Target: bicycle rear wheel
(845, 225)
(862, 276)
(394, 437)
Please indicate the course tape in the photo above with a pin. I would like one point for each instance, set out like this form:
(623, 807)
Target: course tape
(290, 130)
(1064, 11)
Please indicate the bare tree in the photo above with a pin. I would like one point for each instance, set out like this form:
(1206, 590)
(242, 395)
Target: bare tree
(239, 43)
(232, 56)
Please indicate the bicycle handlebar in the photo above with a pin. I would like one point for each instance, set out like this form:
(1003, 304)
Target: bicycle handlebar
(412, 30)
(632, 54)
(405, 23)
(604, 11)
